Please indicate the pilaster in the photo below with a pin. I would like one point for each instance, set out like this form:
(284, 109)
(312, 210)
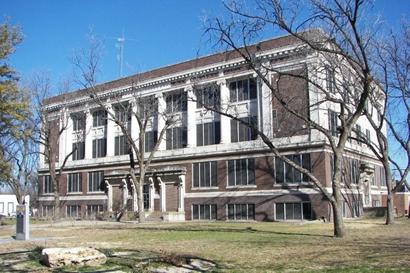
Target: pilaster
(161, 121)
(191, 117)
(225, 121)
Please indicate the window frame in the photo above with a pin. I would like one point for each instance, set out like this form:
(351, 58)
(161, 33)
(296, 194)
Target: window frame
(47, 189)
(74, 178)
(241, 160)
(241, 97)
(99, 175)
(302, 214)
(247, 207)
(212, 208)
(213, 165)
(307, 164)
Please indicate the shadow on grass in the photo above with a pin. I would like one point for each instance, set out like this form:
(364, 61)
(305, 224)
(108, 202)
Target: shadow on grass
(248, 230)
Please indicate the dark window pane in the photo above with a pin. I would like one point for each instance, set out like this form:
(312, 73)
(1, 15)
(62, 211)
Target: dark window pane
(231, 212)
(214, 175)
(232, 92)
(279, 170)
(289, 211)
(297, 176)
(196, 174)
(199, 135)
(251, 211)
(307, 211)
(195, 212)
(297, 211)
(234, 131)
(217, 126)
(251, 171)
(306, 165)
(289, 172)
(252, 88)
(213, 212)
(231, 172)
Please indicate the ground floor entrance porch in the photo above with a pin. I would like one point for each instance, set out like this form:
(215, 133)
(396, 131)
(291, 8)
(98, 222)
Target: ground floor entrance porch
(163, 193)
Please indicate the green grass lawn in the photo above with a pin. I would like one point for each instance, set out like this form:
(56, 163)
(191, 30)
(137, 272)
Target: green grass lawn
(370, 246)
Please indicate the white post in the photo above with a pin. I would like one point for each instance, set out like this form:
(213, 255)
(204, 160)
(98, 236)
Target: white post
(181, 193)
(110, 132)
(161, 121)
(162, 193)
(191, 117)
(225, 121)
(134, 198)
(109, 196)
(265, 99)
(88, 135)
(134, 125)
(151, 194)
(124, 193)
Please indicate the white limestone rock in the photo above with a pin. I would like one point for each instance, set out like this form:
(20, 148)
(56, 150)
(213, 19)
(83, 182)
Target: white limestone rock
(78, 256)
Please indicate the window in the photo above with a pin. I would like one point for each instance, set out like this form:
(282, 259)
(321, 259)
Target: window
(208, 133)
(94, 181)
(121, 145)
(358, 134)
(74, 211)
(205, 174)
(293, 211)
(333, 122)
(78, 150)
(275, 123)
(1, 207)
(241, 172)
(243, 132)
(10, 207)
(242, 90)
(176, 102)
(285, 173)
(122, 113)
(368, 135)
(204, 212)
(99, 147)
(150, 140)
(382, 177)
(48, 186)
(99, 118)
(78, 122)
(208, 96)
(74, 182)
(47, 211)
(93, 210)
(354, 171)
(176, 138)
(241, 211)
(330, 80)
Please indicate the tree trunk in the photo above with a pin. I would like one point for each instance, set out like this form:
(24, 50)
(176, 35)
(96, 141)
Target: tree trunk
(338, 223)
(390, 197)
(140, 198)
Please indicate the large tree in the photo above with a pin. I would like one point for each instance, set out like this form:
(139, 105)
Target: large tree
(13, 103)
(341, 45)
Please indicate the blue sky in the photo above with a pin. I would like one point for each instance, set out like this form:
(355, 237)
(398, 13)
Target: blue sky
(159, 32)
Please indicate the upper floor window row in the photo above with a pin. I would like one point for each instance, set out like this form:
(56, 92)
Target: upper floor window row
(176, 101)
(245, 89)
(122, 113)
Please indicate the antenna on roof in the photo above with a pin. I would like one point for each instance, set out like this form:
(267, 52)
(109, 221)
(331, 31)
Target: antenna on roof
(120, 56)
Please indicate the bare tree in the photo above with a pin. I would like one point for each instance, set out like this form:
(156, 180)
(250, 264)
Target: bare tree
(142, 112)
(340, 76)
(48, 127)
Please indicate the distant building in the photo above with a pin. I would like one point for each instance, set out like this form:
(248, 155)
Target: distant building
(210, 167)
(8, 203)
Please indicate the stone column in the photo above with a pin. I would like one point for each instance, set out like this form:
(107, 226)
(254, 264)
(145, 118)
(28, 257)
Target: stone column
(162, 197)
(109, 196)
(109, 132)
(134, 124)
(265, 104)
(134, 197)
(181, 193)
(161, 121)
(124, 192)
(88, 134)
(151, 194)
(63, 143)
(224, 120)
(191, 117)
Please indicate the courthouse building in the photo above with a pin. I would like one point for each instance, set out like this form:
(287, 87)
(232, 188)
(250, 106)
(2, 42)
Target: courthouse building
(210, 167)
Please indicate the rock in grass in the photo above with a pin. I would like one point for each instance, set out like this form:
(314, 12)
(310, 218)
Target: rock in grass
(77, 256)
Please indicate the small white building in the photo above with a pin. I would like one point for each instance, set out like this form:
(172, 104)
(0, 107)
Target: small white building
(8, 203)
